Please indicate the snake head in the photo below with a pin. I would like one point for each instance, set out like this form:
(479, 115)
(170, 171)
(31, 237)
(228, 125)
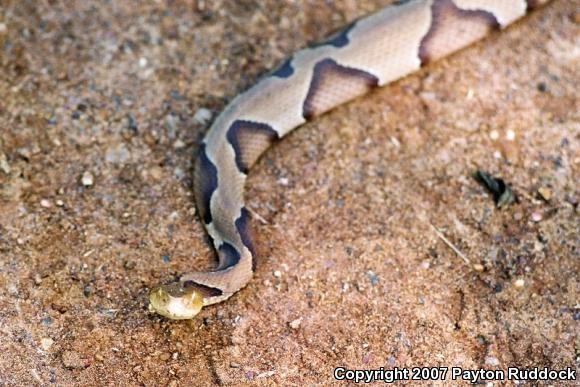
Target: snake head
(175, 302)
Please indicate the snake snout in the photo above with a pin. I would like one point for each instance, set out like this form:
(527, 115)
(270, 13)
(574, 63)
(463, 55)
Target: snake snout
(175, 302)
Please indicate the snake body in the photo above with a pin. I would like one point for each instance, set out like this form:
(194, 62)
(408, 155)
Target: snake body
(370, 52)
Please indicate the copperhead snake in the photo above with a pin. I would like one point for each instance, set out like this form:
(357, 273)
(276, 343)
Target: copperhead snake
(370, 52)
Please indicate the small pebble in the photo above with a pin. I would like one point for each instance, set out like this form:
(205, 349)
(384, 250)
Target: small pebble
(203, 116)
(118, 154)
(178, 144)
(573, 200)
(45, 203)
(545, 193)
(46, 343)
(372, 277)
(494, 134)
(491, 361)
(277, 273)
(129, 265)
(542, 87)
(478, 267)
(156, 172)
(510, 135)
(73, 360)
(4, 166)
(3, 28)
(283, 181)
(295, 324)
(519, 283)
(59, 203)
(536, 216)
(142, 62)
(234, 365)
(87, 179)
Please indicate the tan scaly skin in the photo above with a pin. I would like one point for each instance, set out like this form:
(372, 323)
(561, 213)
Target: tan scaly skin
(371, 52)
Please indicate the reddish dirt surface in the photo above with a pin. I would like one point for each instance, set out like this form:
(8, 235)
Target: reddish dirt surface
(98, 104)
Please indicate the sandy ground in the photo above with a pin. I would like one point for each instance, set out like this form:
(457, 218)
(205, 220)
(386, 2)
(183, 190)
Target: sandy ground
(102, 107)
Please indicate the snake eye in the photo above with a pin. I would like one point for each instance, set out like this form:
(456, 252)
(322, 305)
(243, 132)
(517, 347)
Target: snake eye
(175, 302)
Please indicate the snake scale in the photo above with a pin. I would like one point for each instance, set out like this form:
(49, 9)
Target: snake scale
(370, 52)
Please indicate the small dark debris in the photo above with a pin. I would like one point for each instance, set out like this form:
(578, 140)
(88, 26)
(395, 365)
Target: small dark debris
(372, 277)
(132, 124)
(165, 258)
(129, 265)
(502, 193)
(46, 321)
(573, 200)
(542, 87)
(176, 95)
(497, 288)
(87, 290)
(557, 161)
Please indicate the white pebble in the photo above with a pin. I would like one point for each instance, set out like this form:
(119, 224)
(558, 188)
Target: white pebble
(87, 179)
(3, 28)
(395, 142)
(510, 135)
(4, 163)
(46, 343)
(142, 62)
(283, 181)
(494, 134)
(178, 144)
(277, 274)
(295, 324)
(203, 116)
(491, 361)
(519, 283)
(59, 203)
(45, 203)
(536, 216)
